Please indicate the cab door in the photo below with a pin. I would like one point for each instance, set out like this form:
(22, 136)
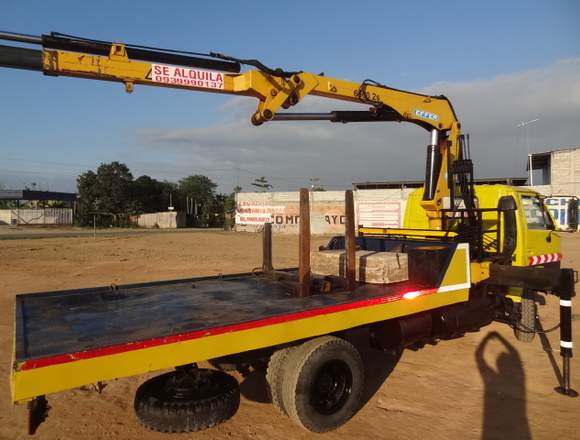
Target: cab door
(540, 239)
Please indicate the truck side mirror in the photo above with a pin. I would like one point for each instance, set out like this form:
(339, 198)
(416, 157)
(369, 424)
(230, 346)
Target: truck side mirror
(506, 207)
(506, 203)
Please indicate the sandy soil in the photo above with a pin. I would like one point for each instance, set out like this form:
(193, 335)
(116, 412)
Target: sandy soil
(452, 390)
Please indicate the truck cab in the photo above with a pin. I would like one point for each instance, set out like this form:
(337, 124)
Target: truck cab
(536, 242)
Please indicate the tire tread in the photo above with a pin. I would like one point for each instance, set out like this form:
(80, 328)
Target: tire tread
(528, 318)
(169, 416)
(294, 369)
(275, 377)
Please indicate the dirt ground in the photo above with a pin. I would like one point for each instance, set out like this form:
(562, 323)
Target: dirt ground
(485, 385)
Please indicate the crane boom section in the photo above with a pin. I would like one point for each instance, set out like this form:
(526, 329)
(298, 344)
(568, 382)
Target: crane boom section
(433, 113)
(428, 111)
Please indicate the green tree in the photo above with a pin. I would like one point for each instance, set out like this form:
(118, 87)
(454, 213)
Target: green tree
(88, 197)
(230, 201)
(149, 195)
(200, 193)
(315, 184)
(262, 183)
(197, 185)
(230, 209)
(217, 213)
(4, 204)
(114, 187)
(107, 192)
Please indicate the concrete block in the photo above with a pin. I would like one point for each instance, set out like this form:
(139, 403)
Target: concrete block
(371, 267)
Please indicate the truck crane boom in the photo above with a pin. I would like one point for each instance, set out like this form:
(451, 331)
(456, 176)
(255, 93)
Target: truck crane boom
(275, 89)
(454, 280)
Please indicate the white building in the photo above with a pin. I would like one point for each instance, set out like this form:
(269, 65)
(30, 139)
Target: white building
(556, 172)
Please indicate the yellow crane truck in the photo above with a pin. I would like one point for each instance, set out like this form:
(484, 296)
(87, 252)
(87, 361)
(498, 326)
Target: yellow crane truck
(475, 255)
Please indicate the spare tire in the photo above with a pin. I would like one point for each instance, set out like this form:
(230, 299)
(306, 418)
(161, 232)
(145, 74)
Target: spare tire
(187, 400)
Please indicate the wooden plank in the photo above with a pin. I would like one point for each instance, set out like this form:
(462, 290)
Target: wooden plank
(304, 244)
(267, 248)
(371, 267)
(350, 240)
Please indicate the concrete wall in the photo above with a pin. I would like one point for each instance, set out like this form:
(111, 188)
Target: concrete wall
(282, 209)
(373, 208)
(48, 216)
(162, 220)
(564, 173)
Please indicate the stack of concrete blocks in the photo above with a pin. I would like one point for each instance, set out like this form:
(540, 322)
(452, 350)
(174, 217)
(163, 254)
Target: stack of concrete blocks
(371, 267)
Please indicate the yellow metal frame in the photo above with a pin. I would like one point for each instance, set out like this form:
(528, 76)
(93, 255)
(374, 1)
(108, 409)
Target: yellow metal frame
(418, 233)
(29, 383)
(275, 92)
(26, 384)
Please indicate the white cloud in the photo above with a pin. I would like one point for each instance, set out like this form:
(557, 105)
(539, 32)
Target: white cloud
(340, 154)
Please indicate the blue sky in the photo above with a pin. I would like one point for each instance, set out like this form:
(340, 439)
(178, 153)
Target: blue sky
(54, 128)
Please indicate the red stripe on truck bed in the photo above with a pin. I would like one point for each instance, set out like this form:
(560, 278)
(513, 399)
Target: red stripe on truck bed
(121, 348)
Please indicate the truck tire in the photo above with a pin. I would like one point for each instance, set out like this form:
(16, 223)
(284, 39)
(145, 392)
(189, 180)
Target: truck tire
(527, 319)
(275, 377)
(323, 383)
(165, 404)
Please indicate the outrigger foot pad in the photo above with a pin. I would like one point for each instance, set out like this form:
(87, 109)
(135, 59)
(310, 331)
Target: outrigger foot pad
(37, 413)
(566, 391)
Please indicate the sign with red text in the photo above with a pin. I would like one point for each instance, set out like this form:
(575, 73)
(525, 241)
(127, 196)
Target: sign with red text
(251, 212)
(379, 214)
(187, 76)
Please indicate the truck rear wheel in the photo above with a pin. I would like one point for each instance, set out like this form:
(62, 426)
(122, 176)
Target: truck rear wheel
(526, 325)
(187, 400)
(275, 377)
(323, 383)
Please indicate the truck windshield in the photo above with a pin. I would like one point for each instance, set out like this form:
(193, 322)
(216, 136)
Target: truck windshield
(536, 215)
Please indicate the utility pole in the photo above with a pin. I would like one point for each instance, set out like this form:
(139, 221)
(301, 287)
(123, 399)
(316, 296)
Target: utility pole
(314, 182)
(525, 126)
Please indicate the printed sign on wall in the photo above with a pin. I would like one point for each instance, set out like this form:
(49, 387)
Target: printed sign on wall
(379, 213)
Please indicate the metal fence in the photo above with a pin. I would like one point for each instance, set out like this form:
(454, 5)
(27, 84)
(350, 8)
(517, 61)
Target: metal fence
(46, 216)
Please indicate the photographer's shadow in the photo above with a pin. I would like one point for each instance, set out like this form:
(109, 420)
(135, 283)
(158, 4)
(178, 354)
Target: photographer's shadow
(504, 413)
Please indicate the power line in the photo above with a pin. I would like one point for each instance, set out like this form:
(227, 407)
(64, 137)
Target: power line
(18, 159)
(20, 172)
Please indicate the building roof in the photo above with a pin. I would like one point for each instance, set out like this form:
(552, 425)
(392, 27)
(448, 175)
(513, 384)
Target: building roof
(558, 150)
(26, 194)
(399, 184)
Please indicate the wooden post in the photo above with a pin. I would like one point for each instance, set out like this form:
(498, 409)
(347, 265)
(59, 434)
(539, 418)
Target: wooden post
(304, 245)
(267, 247)
(350, 240)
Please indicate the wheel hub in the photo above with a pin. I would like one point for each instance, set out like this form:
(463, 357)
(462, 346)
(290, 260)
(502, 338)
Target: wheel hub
(332, 387)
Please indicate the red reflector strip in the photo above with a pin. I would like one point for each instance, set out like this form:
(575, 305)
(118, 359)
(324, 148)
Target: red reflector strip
(130, 346)
(544, 258)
